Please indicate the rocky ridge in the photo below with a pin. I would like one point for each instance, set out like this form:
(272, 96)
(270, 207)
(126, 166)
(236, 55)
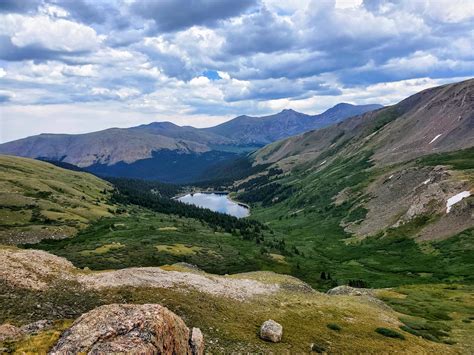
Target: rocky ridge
(33, 269)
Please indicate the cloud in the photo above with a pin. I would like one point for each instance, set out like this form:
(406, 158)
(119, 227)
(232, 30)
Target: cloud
(260, 32)
(55, 35)
(88, 11)
(200, 61)
(175, 15)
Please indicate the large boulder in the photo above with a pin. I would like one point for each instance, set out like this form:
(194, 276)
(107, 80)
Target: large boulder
(271, 331)
(128, 328)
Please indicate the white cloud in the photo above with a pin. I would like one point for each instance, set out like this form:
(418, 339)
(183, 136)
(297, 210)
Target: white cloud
(53, 34)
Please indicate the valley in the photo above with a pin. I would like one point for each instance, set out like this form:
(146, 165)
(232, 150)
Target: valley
(376, 210)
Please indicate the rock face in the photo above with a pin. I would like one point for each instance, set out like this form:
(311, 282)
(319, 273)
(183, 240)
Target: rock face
(128, 328)
(271, 331)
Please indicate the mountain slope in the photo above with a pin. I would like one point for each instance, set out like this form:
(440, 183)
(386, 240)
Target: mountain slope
(264, 130)
(229, 309)
(40, 200)
(104, 147)
(435, 120)
(187, 133)
(363, 197)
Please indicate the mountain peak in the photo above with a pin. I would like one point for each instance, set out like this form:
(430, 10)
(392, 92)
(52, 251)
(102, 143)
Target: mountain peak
(346, 109)
(288, 110)
(162, 124)
(343, 104)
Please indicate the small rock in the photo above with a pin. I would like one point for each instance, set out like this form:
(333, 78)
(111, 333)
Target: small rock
(36, 327)
(271, 331)
(197, 341)
(9, 332)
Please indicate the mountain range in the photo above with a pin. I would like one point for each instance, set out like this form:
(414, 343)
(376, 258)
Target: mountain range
(167, 152)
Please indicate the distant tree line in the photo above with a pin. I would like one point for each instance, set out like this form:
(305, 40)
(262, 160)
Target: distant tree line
(266, 194)
(225, 173)
(155, 187)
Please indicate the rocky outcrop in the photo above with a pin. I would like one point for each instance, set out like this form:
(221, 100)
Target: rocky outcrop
(271, 331)
(10, 332)
(126, 328)
(34, 269)
(367, 294)
(350, 291)
(36, 327)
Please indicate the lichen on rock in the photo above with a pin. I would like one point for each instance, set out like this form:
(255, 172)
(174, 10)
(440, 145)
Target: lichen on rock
(271, 331)
(128, 328)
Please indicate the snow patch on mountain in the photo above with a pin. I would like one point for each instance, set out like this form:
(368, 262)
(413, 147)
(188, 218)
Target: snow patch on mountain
(455, 199)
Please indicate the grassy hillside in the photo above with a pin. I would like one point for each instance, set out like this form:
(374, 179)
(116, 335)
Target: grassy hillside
(147, 238)
(312, 218)
(39, 200)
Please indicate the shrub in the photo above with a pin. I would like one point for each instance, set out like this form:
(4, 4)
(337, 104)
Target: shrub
(334, 326)
(389, 333)
(318, 348)
(358, 283)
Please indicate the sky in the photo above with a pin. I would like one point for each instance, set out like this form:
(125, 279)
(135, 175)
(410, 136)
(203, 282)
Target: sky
(75, 66)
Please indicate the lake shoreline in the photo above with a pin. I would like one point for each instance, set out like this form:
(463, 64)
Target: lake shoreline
(218, 193)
